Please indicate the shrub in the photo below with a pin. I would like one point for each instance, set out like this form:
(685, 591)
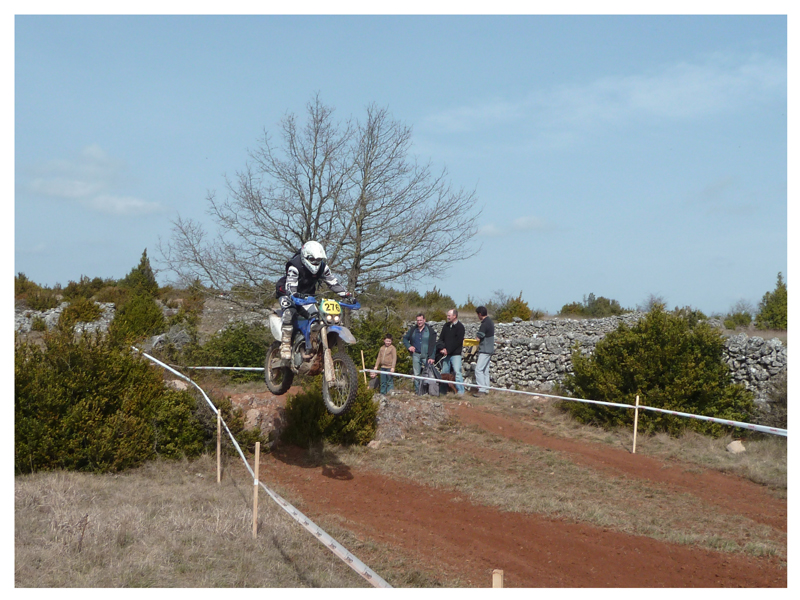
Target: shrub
(734, 320)
(468, 307)
(114, 294)
(79, 310)
(512, 307)
(593, 307)
(240, 345)
(89, 404)
(773, 308)
(85, 288)
(692, 315)
(670, 364)
(38, 324)
(138, 318)
(41, 300)
(24, 286)
(307, 421)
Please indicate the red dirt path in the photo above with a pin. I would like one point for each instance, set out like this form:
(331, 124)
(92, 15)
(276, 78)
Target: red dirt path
(465, 540)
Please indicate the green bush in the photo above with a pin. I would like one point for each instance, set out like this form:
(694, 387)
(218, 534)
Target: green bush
(512, 307)
(670, 363)
(41, 300)
(734, 320)
(138, 318)
(468, 307)
(24, 286)
(307, 421)
(38, 324)
(593, 307)
(773, 308)
(79, 310)
(114, 294)
(240, 345)
(85, 288)
(89, 404)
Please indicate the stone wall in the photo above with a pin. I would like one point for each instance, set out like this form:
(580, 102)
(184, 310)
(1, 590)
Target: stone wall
(23, 318)
(538, 354)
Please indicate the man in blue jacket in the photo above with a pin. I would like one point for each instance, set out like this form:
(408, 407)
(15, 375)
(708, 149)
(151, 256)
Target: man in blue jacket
(420, 341)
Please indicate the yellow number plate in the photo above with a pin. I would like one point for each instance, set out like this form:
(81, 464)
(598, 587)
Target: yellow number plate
(331, 307)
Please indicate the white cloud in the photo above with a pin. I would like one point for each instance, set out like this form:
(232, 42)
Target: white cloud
(490, 230)
(92, 179)
(519, 225)
(528, 224)
(675, 91)
(120, 205)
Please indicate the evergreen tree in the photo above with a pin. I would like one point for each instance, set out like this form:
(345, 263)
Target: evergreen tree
(141, 279)
(773, 308)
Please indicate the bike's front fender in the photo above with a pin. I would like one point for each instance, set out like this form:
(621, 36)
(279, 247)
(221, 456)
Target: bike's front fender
(343, 332)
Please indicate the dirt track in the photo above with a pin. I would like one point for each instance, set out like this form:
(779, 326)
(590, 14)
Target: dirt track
(464, 540)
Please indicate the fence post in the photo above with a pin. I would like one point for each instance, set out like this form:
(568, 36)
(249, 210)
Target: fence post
(497, 578)
(255, 491)
(219, 446)
(364, 366)
(635, 422)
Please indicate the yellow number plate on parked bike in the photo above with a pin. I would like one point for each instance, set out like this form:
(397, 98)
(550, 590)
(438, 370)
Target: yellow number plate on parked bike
(331, 307)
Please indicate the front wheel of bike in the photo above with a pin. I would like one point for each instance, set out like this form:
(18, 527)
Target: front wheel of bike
(339, 396)
(279, 378)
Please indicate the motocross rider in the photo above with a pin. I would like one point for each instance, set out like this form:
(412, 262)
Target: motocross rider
(303, 271)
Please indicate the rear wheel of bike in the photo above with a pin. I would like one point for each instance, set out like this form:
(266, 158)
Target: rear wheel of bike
(279, 379)
(339, 396)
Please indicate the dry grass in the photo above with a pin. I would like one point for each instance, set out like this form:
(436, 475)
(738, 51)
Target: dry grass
(764, 462)
(167, 524)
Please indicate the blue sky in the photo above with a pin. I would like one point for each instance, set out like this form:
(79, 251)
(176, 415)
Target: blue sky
(618, 155)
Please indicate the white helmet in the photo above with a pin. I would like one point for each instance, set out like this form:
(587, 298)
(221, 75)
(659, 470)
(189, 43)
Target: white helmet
(313, 255)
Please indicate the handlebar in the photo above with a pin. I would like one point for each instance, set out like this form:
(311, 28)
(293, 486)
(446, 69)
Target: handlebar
(302, 300)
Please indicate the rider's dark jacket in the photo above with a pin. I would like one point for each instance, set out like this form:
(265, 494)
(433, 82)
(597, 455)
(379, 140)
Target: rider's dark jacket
(299, 280)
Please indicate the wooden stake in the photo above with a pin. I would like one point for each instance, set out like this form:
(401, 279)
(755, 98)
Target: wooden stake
(497, 578)
(255, 491)
(219, 446)
(635, 422)
(364, 366)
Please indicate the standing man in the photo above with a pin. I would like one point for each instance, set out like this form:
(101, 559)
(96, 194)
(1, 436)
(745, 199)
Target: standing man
(451, 342)
(420, 341)
(485, 336)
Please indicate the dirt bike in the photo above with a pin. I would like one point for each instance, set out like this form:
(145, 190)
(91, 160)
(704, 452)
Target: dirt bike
(317, 330)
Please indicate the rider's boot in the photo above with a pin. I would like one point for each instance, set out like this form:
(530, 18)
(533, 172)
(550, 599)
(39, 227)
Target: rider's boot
(286, 342)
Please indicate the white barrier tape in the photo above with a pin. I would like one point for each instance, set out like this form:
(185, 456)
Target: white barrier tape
(752, 426)
(761, 428)
(228, 368)
(340, 551)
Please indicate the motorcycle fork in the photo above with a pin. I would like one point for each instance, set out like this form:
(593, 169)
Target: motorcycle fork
(330, 375)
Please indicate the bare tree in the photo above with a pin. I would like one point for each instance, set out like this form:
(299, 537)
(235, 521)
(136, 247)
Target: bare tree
(381, 216)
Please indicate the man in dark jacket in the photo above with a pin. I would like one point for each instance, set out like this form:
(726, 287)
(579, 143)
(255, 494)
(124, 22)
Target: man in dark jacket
(420, 341)
(485, 336)
(451, 342)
